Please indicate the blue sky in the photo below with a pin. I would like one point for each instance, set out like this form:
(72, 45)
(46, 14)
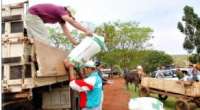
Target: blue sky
(160, 15)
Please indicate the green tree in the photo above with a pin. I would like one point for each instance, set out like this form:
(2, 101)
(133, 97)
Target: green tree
(124, 35)
(154, 59)
(191, 29)
(149, 59)
(193, 58)
(108, 30)
(59, 40)
(121, 38)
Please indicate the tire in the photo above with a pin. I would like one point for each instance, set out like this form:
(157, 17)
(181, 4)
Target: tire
(182, 105)
(144, 92)
(26, 105)
(37, 100)
(162, 97)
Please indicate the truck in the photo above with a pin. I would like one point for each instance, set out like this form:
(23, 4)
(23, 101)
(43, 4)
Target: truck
(186, 92)
(33, 73)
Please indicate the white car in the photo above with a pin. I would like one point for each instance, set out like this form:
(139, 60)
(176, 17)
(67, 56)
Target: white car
(105, 72)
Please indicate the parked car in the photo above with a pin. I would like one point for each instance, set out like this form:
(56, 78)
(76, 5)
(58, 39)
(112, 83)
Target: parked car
(169, 73)
(106, 72)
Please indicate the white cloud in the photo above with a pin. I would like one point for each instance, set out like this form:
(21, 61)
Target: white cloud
(169, 40)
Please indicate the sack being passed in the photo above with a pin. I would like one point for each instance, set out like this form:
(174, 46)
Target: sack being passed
(88, 47)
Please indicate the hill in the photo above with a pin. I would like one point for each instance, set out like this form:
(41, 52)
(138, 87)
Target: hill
(180, 60)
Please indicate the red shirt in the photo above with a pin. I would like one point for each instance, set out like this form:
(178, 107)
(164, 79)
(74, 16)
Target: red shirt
(49, 13)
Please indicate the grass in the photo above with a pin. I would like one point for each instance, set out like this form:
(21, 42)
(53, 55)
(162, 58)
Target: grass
(169, 104)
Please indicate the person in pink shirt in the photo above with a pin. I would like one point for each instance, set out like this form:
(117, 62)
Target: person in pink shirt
(40, 14)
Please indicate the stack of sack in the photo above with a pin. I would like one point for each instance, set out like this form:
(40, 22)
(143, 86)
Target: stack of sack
(145, 103)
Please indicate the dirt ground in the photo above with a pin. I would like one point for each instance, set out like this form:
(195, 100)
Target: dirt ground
(116, 96)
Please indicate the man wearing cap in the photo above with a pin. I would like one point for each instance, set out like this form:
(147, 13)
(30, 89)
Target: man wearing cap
(104, 80)
(40, 14)
(90, 88)
(140, 71)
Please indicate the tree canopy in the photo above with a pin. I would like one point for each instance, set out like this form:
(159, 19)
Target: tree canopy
(59, 40)
(122, 39)
(191, 28)
(124, 35)
(149, 59)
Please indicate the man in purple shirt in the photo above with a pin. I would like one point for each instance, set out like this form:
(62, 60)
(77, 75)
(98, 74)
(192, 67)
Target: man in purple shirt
(40, 14)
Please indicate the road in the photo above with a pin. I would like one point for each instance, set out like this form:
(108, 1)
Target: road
(116, 96)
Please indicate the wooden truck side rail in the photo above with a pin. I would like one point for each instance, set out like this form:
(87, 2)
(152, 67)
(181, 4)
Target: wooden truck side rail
(184, 91)
(186, 88)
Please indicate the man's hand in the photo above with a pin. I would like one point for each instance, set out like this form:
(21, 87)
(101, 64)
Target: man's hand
(75, 43)
(88, 33)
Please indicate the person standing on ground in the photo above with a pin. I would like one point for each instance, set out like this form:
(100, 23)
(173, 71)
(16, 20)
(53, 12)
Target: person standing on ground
(195, 73)
(98, 68)
(90, 88)
(140, 71)
(198, 73)
(41, 14)
(179, 74)
(104, 81)
(159, 73)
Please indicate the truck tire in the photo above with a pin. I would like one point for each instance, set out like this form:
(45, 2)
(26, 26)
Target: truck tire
(26, 105)
(37, 99)
(182, 105)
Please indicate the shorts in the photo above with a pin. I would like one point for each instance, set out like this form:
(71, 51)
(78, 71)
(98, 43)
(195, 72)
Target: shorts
(36, 28)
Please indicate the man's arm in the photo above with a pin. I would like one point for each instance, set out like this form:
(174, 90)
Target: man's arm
(83, 85)
(68, 34)
(72, 75)
(76, 25)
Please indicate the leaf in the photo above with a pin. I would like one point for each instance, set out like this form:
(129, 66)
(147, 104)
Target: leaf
(188, 45)
(191, 29)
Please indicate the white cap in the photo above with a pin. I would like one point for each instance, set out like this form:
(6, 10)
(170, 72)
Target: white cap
(139, 67)
(72, 10)
(90, 64)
